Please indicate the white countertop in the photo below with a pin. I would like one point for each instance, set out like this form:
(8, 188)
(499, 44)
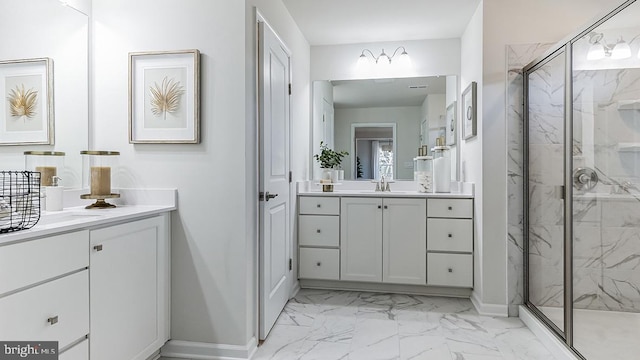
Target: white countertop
(78, 218)
(399, 189)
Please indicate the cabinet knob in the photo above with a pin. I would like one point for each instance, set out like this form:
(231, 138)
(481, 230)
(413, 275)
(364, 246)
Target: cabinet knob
(386, 207)
(318, 205)
(379, 206)
(450, 235)
(53, 320)
(318, 263)
(450, 208)
(97, 248)
(318, 231)
(450, 270)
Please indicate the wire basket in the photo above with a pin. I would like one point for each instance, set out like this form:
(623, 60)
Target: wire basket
(19, 200)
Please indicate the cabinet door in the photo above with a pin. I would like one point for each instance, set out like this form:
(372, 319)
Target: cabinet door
(127, 274)
(361, 239)
(404, 241)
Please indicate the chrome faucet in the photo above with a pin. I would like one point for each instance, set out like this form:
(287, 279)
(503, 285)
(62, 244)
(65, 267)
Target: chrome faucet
(382, 184)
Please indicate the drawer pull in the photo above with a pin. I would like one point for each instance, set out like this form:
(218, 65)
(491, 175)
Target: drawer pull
(97, 248)
(450, 208)
(318, 231)
(450, 270)
(53, 320)
(450, 235)
(318, 263)
(318, 205)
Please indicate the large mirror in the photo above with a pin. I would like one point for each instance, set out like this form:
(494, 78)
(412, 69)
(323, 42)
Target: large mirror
(383, 122)
(59, 31)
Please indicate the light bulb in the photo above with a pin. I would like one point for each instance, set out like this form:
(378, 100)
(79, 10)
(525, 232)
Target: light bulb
(596, 52)
(362, 61)
(638, 54)
(621, 50)
(404, 60)
(383, 59)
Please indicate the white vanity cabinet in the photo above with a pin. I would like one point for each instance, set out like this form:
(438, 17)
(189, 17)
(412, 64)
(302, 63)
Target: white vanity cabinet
(450, 242)
(129, 275)
(319, 238)
(383, 240)
(102, 292)
(44, 290)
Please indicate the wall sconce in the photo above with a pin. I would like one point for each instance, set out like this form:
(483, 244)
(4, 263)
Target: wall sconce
(383, 59)
(599, 49)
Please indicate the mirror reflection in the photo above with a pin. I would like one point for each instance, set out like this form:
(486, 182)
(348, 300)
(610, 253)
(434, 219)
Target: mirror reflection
(51, 29)
(383, 122)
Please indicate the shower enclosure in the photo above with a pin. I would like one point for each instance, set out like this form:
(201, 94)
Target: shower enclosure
(582, 178)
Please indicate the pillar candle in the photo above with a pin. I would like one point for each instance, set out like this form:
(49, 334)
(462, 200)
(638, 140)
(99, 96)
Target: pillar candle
(100, 180)
(46, 174)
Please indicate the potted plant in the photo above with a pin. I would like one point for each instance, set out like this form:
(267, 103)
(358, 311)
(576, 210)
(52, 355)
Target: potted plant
(329, 160)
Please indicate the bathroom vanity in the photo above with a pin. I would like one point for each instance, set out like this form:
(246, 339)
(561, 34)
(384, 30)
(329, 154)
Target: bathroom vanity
(96, 281)
(386, 241)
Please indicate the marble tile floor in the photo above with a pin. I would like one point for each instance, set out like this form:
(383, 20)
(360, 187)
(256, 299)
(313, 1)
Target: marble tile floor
(603, 335)
(347, 325)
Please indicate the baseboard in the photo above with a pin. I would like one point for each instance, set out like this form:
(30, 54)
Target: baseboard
(208, 351)
(548, 339)
(489, 309)
(383, 287)
(296, 288)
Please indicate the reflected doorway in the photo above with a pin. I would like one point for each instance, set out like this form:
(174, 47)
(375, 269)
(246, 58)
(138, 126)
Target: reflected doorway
(374, 149)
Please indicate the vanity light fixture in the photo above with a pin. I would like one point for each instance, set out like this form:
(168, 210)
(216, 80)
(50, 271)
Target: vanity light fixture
(383, 59)
(599, 49)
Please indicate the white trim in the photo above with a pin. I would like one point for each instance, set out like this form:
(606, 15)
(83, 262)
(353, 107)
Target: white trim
(208, 351)
(295, 288)
(489, 309)
(550, 341)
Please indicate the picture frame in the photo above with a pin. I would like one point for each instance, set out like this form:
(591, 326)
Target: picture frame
(469, 111)
(450, 122)
(164, 97)
(26, 108)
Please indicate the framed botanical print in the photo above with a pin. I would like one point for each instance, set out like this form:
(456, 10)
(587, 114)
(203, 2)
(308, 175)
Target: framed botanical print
(164, 91)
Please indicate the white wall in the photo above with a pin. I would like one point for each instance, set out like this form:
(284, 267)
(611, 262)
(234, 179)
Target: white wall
(471, 157)
(428, 58)
(407, 119)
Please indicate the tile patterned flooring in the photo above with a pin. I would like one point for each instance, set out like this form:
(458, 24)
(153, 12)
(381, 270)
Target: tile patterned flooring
(348, 325)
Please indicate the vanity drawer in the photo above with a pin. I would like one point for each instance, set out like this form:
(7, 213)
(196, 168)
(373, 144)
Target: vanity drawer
(450, 208)
(319, 264)
(318, 205)
(29, 262)
(319, 230)
(26, 314)
(450, 270)
(450, 235)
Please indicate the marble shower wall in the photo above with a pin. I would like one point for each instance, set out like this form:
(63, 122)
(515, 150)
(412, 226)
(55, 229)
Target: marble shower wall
(606, 219)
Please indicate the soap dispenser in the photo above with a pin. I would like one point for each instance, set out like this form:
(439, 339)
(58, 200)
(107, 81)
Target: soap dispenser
(54, 195)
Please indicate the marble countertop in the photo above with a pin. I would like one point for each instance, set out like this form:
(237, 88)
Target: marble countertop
(399, 189)
(133, 204)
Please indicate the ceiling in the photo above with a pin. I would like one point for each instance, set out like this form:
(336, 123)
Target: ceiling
(385, 92)
(331, 22)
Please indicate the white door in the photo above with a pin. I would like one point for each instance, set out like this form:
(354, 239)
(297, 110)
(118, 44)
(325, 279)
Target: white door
(273, 85)
(404, 241)
(361, 239)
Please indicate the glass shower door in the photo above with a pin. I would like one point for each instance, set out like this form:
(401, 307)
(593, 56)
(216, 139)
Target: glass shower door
(606, 195)
(545, 156)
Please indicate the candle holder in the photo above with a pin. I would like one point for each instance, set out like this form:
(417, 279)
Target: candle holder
(47, 163)
(98, 168)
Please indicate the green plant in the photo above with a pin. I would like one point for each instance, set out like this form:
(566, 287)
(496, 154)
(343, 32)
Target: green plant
(359, 173)
(328, 158)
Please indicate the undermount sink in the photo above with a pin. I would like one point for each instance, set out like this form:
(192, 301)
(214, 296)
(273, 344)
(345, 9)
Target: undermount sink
(54, 218)
(377, 192)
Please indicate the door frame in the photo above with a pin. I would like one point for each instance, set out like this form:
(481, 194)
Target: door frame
(353, 145)
(259, 18)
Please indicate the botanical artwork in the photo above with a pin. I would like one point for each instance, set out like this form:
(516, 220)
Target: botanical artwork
(26, 102)
(164, 97)
(22, 110)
